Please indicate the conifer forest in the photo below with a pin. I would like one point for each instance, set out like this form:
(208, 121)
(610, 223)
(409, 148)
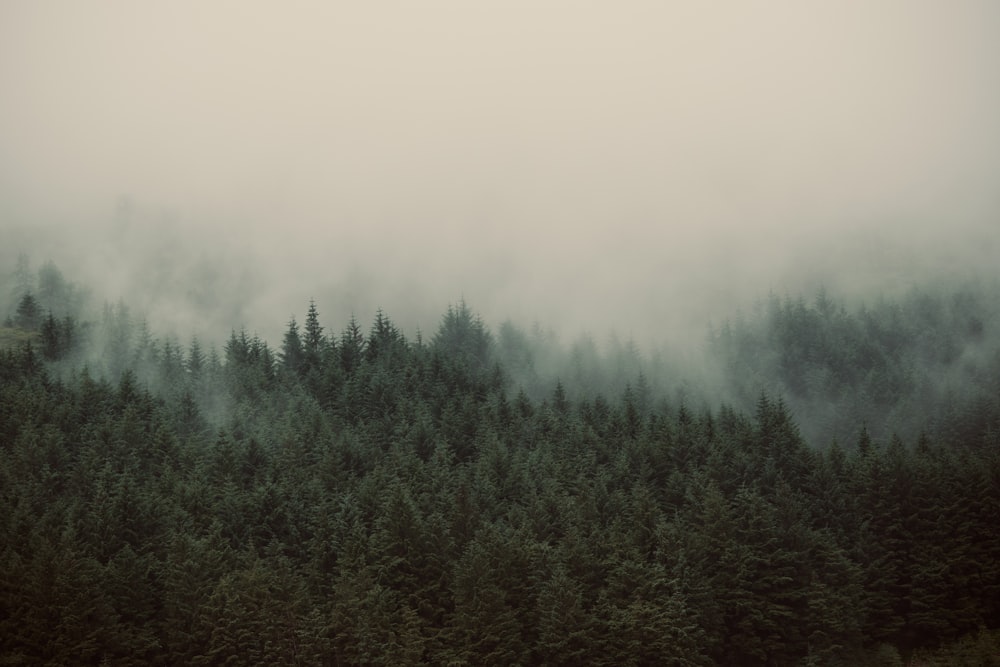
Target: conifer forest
(354, 494)
(515, 333)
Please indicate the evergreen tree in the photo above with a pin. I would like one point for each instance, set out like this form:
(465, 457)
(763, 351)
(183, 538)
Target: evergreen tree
(195, 359)
(292, 354)
(29, 313)
(464, 338)
(52, 343)
(352, 346)
(314, 342)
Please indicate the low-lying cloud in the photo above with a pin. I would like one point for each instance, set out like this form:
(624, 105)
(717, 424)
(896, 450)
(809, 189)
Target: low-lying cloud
(645, 167)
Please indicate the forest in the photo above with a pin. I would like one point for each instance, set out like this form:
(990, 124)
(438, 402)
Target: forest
(825, 491)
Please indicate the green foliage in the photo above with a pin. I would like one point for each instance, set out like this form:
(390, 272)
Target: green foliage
(464, 339)
(371, 500)
(29, 313)
(15, 338)
(906, 366)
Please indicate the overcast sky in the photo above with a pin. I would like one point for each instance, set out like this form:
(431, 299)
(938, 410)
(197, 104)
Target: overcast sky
(589, 164)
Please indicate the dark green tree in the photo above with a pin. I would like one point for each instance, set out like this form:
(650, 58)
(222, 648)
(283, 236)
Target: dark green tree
(314, 343)
(463, 338)
(292, 354)
(29, 313)
(352, 346)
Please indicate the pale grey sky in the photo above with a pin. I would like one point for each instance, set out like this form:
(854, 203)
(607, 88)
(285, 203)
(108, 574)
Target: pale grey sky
(593, 163)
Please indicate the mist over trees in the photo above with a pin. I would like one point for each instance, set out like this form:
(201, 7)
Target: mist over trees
(352, 493)
(519, 333)
(924, 362)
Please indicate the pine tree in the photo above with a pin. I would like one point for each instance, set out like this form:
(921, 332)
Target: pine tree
(464, 339)
(292, 355)
(195, 359)
(352, 346)
(564, 626)
(52, 345)
(54, 293)
(29, 313)
(384, 341)
(313, 343)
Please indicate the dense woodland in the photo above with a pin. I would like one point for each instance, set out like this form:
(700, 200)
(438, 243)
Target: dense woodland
(351, 495)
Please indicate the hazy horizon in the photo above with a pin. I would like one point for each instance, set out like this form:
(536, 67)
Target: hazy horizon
(646, 167)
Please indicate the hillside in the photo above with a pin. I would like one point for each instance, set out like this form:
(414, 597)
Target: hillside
(363, 498)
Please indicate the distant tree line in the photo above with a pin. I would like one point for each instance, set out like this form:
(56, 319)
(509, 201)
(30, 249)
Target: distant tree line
(926, 362)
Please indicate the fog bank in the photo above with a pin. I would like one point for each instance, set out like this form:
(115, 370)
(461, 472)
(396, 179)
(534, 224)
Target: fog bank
(646, 167)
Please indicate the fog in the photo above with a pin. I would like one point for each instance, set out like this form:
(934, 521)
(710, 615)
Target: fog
(641, 166)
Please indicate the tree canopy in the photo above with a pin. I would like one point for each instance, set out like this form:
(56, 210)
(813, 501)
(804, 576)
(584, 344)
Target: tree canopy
(366, 499)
